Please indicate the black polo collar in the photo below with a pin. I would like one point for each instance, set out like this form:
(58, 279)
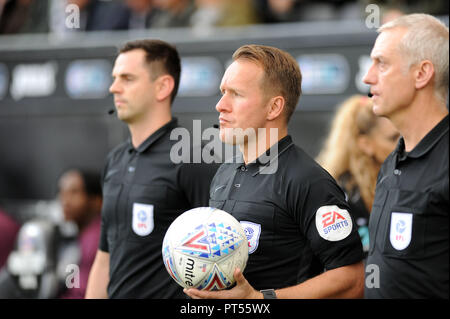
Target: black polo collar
(153, 137)
(427, 143)
(269, 157)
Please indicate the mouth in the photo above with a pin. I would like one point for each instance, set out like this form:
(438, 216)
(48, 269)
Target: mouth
(119, 102)
(373, 94)
(223, 121)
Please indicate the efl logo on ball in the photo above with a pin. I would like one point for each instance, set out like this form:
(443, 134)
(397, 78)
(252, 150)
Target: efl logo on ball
(203, 247)
(333, 223)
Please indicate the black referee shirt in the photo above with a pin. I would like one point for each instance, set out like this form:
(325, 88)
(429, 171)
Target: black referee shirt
(287, 217)
(143, 192)
(409, 225)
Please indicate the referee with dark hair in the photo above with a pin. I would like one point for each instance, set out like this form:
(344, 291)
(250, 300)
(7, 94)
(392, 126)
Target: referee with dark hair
(143, 190)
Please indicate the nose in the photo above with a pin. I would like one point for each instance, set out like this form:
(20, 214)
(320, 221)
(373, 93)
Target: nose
(369, 78)
(115, 87)
(63, 199)
(223, 105)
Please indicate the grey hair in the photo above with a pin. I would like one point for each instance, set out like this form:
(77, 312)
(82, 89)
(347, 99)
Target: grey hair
(426, 39)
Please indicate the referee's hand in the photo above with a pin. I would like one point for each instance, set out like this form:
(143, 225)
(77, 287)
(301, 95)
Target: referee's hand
(242, 290)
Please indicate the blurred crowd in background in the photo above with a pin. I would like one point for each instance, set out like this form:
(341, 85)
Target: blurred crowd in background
(49, 16)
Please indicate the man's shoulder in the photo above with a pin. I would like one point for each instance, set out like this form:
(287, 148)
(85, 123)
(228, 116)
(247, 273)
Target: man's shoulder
(301, 165)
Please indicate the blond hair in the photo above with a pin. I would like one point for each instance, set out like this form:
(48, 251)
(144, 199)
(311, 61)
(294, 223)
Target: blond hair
(281, 72)
(341, 153)
(426, 39)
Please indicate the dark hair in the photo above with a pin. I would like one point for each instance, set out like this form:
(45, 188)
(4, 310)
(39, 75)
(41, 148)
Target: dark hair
(162, 57)
(91, 180)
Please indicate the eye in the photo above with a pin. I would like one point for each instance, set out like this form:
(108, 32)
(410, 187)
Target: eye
(381, 64)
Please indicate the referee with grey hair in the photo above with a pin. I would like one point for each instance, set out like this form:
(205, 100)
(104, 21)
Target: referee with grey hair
(409, 222)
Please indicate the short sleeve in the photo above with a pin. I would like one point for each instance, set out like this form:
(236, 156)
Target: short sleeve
(328, 224)
(103, 241)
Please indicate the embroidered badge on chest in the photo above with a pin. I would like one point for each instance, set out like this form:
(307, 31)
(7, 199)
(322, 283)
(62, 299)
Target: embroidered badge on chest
(333, 223)
(142, 222)
(252, 231)
(401, 230)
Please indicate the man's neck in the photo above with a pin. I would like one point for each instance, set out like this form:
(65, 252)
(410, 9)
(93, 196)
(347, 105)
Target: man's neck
(140, 131)
(419, 120)
(254, 148)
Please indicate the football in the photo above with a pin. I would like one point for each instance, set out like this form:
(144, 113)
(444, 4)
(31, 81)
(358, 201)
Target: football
(203, 247)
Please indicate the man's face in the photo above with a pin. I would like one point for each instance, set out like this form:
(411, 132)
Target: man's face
(243, 104)
(390, 78)
(132, 86)
(73, 197)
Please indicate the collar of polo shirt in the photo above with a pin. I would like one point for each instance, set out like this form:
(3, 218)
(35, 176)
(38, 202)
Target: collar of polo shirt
(154, 137)
(270, 156)
(426, 143)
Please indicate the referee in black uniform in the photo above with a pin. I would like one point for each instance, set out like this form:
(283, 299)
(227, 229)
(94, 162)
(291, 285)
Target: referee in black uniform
(303, 241)
(143, 190)
(409, 222)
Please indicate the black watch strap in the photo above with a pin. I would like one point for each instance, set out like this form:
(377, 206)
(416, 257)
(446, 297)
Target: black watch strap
(268, 293)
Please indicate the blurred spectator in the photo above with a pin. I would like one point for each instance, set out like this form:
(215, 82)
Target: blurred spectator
(33, 16)
(8, 233)
(23, 16)
(390, 15)
(81, 200)
(211, 13)
(238, 12)
(174, 13)
(142, 13)
(390, 9)
(356, 146)
(271, 11)
(208, 13)
(44, 250)
(95, 15)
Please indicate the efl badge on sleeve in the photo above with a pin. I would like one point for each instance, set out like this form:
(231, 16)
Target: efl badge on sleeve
(142, 219)
(252, 231)
(401, 230)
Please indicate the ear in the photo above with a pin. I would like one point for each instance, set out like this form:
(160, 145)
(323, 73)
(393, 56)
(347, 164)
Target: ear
(423, 74)
(276, 107)
(365, 145)
(164, 86)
